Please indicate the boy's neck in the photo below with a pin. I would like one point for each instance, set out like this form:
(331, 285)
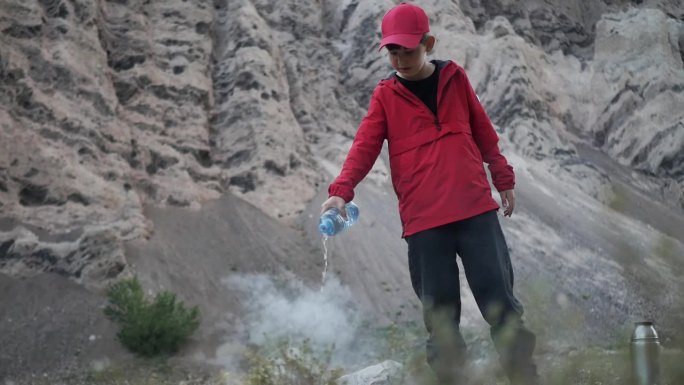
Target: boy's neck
(425, 72)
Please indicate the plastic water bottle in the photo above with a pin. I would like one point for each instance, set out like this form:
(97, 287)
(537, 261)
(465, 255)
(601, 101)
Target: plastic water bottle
(332, 223)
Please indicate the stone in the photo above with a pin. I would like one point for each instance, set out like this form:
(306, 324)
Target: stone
(385, 373)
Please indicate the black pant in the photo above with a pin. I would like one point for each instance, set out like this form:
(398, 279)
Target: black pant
(481, 245)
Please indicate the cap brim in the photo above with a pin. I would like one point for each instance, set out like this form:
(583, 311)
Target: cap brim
(405, 40)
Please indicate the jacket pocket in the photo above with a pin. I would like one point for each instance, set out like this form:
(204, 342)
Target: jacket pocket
(399, 146)
(471, 148)
(408, 165)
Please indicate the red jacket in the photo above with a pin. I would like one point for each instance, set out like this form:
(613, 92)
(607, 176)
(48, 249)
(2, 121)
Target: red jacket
(436, 162)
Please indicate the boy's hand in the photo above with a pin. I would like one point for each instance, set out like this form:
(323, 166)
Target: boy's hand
(508, 202)
(337, 202)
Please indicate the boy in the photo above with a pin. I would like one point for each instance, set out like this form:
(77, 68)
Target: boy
(439, 136)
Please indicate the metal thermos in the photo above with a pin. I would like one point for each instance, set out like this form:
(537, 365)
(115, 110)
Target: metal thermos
(645, 351)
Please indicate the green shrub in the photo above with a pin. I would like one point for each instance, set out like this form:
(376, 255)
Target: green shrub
(149, 329)
(286, 363)
(399, 341)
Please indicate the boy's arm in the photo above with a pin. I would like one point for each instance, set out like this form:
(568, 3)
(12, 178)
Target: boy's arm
(487, 141)
(364, 151)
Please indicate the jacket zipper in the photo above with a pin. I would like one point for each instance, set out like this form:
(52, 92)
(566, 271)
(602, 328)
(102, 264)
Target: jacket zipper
(401, 92)
(439, 94)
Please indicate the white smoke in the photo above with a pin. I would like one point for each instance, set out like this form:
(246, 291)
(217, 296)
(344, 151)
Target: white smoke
(278, 309)
(326, 316)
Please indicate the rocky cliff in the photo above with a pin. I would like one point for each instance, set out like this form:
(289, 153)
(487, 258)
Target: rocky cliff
(105, 106)
(111, 107)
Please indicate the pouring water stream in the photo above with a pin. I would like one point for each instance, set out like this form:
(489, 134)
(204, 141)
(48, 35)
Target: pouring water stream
(325, 261)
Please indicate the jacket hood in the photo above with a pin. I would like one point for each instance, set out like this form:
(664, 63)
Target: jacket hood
(439, 63)
(447, 68)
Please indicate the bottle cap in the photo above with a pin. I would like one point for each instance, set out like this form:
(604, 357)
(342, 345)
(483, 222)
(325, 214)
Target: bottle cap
(326, 226)
(644, 331)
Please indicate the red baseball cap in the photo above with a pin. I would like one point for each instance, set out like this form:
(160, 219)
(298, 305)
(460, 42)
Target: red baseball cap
(405, 25)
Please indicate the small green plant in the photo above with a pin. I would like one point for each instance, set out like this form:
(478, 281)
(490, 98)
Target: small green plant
(149, 328)
(399, 341)
(287, 363)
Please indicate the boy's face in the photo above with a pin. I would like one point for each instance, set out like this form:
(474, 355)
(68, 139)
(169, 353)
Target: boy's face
(408, 62)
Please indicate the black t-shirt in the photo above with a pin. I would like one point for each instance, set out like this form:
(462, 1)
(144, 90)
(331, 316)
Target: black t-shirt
(425, 89)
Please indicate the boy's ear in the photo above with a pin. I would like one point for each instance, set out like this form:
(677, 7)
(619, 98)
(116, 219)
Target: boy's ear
(430, 43)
